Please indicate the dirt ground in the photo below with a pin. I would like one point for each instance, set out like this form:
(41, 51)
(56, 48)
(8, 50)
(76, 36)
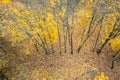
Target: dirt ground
(78, 66)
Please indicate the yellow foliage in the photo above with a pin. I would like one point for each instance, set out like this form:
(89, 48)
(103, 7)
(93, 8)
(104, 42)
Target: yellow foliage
(42, 23)
(37, 30)
(84, 17)
(101, 77)
(15, 11)
(13, 33)
(44, 79)
(108, 25)
(51, 2)
(4, 2)
(62, 12)
(115, 43)
(109, 22)
(34, 23)
(53, 34)
(82, 20)
(27, 52)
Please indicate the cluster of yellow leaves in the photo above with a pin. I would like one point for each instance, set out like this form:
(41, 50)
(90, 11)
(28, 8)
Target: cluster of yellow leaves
(39, 26)
(62, 12)
(4, 2)
(84, 17)
(51, 2)
(108, 24)
(16, 37)
(46, 28)
(52, 28)
(20, 10)
(115, 43)
(101, 77)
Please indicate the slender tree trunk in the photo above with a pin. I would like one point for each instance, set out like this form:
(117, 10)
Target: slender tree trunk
(66, 27)
(95, 44)
(35, 46)
(112, 64)
(59, 38)
(82, 44)
(71, 44)
(102, 46)
(65, 40)
(71, 33)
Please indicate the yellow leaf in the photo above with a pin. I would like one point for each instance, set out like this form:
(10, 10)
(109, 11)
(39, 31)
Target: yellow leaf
(44, 79)
(101, 77)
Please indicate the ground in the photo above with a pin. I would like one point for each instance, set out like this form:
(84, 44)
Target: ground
(78, 66)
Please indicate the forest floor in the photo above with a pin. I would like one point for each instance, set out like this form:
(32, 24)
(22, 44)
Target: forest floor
(78, 66)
